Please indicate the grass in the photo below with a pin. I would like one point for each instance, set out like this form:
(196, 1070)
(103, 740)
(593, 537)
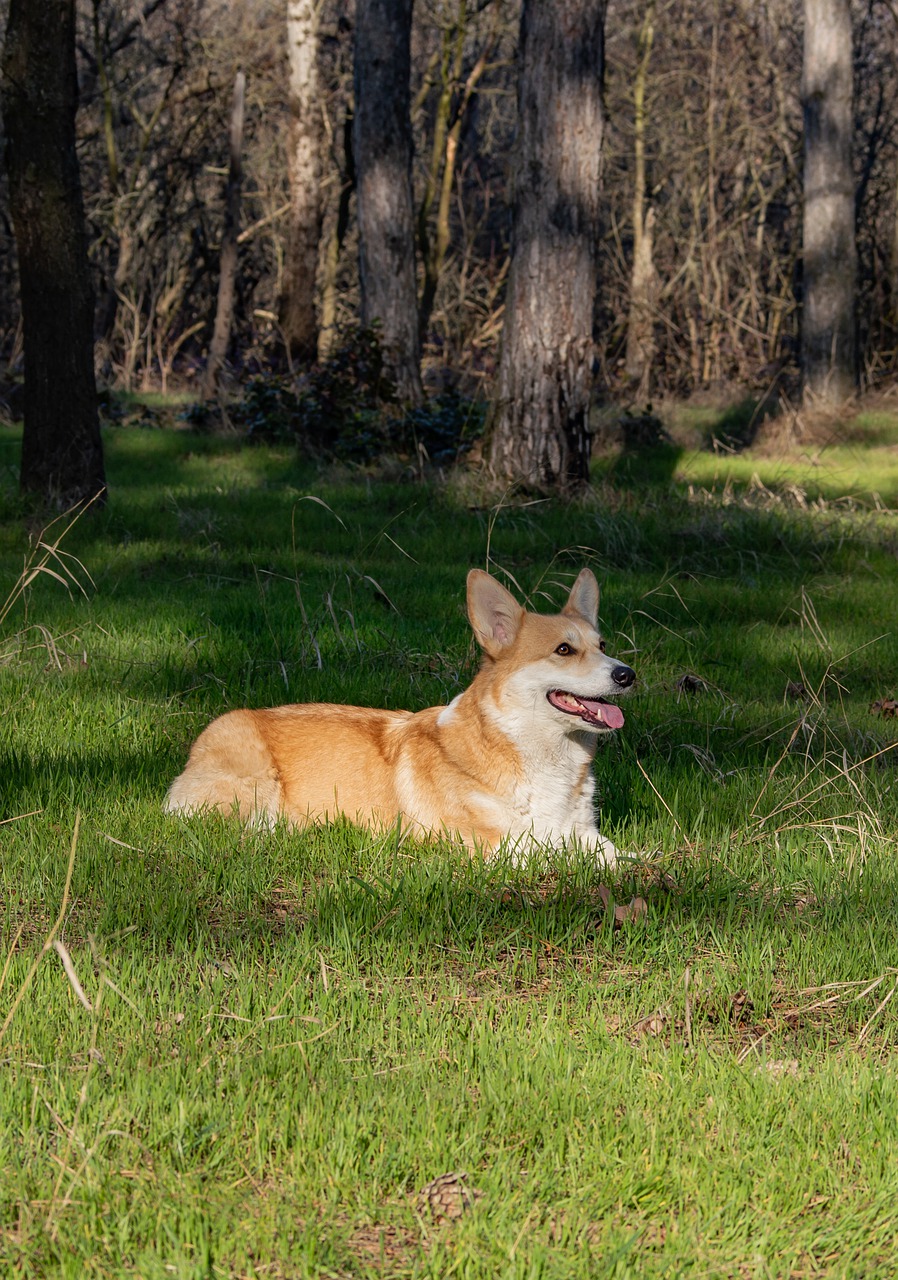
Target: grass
(281, 1038)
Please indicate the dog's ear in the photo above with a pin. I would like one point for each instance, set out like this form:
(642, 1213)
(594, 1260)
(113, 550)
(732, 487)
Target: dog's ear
(583, 602)
(493, 612)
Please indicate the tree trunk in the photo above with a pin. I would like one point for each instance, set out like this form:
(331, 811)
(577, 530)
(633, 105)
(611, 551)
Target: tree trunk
(327, 331)
(227, 279)
(539, 423)
(644, 278)
(383, 153)
(62, 454)
(298, 320)
(828, 335)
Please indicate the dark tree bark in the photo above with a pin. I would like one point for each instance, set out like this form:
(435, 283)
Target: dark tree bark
(641, 345)
(539, 432)
(227, 280)
(327, 330)
(828, 332)
(298, 319)
(383, 154)
(62, 455)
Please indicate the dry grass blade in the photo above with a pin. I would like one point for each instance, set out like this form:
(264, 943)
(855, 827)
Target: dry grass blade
(46, 549)
(94, 1057)
(767, 781)
(844, 771)
(63, 952)
(832, 994)
(876, 1012)
(20, 816)
(661, 798)
(10, 953)
(48, 942)
(310, 497)
(816, 698)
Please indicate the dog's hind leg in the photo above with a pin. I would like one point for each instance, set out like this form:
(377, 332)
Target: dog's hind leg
(230, 766)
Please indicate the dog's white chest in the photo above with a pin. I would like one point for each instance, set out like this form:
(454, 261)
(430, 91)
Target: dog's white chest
(555, 796)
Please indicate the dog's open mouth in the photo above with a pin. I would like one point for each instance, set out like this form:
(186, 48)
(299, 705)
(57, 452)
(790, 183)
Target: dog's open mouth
(592, 710)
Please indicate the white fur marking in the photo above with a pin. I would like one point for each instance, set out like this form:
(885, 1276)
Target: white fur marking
(448, 712)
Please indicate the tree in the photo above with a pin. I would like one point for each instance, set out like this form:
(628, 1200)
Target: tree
(454, 100)
(62, 455)
(539, 431)
(298, 319)
(227, 279)
(383, 157)
(643, 277)
(828, 334)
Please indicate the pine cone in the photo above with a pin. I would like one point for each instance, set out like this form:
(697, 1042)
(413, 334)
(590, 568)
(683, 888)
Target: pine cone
(447, 1197)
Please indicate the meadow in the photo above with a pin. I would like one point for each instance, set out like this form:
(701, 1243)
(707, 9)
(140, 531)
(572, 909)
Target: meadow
(235, 1053)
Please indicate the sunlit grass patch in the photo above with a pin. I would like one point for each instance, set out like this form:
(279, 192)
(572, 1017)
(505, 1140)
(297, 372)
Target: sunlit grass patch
(288, 1035)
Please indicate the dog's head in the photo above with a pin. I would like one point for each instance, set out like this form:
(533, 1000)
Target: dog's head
(551, 666)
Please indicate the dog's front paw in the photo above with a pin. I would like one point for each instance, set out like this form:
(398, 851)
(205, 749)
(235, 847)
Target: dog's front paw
(604, 853)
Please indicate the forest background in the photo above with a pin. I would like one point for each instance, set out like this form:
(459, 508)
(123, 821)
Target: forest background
(698, 261)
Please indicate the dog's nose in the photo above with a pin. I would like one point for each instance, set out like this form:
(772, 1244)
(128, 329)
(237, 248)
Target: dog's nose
(624, 676)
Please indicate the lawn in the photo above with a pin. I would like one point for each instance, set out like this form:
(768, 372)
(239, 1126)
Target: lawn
(262, 1046)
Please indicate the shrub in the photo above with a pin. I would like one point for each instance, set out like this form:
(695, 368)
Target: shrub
(346, 408)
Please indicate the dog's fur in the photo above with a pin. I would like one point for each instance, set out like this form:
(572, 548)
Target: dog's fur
(510, 759)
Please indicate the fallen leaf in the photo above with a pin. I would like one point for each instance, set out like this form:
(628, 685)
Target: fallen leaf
(654, 1025)
(741, 1005)
(885, 707)
(635, 909)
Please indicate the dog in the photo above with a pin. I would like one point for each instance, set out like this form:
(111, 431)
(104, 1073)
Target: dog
(507, 763)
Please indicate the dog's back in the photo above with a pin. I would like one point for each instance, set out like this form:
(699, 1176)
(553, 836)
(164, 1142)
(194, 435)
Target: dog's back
(308, 761)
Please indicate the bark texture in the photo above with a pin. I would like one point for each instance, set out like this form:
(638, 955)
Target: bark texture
(383, 152)
(298, 318)
(227, 280)
(641, 346)
(327, 330)
(62, 455)
(828, 335)
(539, 431)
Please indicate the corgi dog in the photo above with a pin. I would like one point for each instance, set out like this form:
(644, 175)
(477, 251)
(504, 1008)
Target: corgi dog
(508, 762)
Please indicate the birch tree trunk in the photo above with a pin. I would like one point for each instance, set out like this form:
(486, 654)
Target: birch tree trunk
(383, 156)
(539, 430)
(227, 280)
(62, 455)
(298, 319)
(828, 332)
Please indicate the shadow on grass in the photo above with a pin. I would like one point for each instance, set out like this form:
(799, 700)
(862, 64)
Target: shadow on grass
(60, 781)
(341, 894)
(737, 426)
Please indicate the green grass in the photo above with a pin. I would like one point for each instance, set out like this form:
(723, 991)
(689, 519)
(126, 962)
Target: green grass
(291, 1034)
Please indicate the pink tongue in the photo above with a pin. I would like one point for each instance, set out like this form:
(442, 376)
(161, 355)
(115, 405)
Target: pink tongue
(610, 715)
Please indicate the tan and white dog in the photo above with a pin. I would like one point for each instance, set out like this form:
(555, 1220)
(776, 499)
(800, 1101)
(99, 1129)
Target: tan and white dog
(508, 760)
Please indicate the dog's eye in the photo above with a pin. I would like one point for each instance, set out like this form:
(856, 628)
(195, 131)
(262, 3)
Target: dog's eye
(602, 646)
(565, 650)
